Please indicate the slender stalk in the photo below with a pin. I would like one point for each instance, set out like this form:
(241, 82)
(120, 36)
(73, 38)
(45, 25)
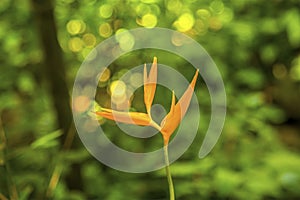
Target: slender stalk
(168, 172)
(166, 155)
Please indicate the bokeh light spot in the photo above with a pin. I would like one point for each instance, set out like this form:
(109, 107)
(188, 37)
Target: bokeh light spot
(118, 94)
(90, 127)
(76, 27)
(185, 22)
(215, 23)
(105, 11)
(81, 103)
(295, 70)
(279, 71)
(174, 5)
(105, 30)
(118, 88)
(217, 6)
(136, 79)
(177, 39)
(200, 27)
(75, 44)
(89, 40)
(126, 40)
(105, 75)
(203, 14)
(227, 15)
(149, 20)
(142, 9)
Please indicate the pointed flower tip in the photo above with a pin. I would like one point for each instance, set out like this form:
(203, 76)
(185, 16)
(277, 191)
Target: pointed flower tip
(155, 59)
(192, 84)
(145, 73)
(172, 103)
(196, 74)
(153, 71)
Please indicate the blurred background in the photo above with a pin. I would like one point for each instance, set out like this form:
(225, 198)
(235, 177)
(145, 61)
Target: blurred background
(256, 46)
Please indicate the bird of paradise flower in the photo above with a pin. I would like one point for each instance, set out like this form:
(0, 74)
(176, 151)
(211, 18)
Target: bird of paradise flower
(168, 124)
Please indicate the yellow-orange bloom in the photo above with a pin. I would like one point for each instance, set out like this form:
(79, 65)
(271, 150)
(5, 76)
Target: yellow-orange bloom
(172, 119)
(177, 112)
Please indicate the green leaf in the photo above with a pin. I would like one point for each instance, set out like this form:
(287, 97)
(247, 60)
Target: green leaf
(47, 140)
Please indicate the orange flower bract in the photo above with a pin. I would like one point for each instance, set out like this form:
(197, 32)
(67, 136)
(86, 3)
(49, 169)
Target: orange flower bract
(150, 85)
(137, 118)
(177, 112)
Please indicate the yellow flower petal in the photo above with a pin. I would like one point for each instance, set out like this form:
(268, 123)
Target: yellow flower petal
(137, 118)
(150, 84)
(185, 100)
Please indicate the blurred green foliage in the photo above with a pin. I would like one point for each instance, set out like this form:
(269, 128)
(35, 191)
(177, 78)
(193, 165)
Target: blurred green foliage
(255, 44)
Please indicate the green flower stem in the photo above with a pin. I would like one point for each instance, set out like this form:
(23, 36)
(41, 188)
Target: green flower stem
(166, 155)
(170, 182)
